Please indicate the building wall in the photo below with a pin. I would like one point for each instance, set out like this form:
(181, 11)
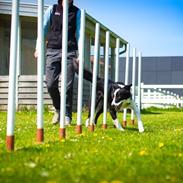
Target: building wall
(28, 62)
(28, 41)
(158, 70)
(29, 36)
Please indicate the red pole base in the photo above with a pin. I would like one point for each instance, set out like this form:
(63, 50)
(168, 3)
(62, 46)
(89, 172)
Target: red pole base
(91, 128)
(124, 124)
(40, 135)
(79, 129)
(104, 126)
(133, 122)
(10, 143)
(62, 133)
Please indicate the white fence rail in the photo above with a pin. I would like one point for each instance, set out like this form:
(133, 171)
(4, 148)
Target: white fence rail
(160, 96)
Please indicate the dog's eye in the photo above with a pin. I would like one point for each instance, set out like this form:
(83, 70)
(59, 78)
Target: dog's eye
(118, 94)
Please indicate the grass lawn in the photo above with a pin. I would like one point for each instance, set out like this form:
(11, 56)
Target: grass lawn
(105, 156)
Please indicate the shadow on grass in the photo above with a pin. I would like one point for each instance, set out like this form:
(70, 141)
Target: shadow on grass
(135, 129)
(150, 112)
(131, 129)
(38, 147)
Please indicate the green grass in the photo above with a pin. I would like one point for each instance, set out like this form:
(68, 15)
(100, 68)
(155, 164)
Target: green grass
(105, 156)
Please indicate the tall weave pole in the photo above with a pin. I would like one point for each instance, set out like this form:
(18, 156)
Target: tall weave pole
(106, 79)
(62, 132)
(94, 79)
(126, 81)
(133, 82)
(117, 60)
(80, 77)
(139, 79)
(18, 69)
(12, 77)
(40, 73)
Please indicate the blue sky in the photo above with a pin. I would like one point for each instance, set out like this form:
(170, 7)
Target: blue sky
(154, 27)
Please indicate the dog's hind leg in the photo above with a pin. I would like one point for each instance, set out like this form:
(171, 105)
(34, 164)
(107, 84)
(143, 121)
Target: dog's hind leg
(87, 122)
(115, 120)
(98, 108)
(137, 113)
(98, 101)
(99, 112)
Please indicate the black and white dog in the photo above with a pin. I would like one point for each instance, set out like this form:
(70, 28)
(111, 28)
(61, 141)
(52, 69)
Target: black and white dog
(119, 97)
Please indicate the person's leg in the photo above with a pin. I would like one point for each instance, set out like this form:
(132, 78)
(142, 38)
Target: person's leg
(53, 69)
(70, 84)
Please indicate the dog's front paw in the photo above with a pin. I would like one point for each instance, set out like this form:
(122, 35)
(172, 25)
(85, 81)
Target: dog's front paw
(120, 128)
(118, 125)
(87, 122)
(141, 128)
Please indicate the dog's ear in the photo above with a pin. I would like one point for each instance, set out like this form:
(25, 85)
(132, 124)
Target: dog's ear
(128, 86)
(113, 89)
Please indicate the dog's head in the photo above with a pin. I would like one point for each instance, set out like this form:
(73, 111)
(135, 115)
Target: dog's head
(120, 94)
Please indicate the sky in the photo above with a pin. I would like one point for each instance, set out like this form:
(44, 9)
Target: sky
(154, 27)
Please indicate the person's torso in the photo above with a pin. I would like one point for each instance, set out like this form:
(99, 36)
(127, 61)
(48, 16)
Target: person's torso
(56, 21)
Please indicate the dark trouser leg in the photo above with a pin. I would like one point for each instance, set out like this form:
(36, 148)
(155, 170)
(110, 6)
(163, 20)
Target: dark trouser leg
(55, 96)
(70, 83)
(53, 69)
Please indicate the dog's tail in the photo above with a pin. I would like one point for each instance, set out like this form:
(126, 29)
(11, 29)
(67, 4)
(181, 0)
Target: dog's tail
(86, 73)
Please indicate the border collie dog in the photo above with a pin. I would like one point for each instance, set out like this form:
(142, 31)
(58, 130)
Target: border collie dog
(119, 97)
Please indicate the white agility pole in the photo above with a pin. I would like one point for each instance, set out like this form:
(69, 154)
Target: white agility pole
(64, 69)
(19, 48)
(139, 79)
(117, 60)
(80, 76)
(40, 73)
(18, 70)
(133, 81)
(94, 79)
(12, 77)
(126, 80)
(106, 78)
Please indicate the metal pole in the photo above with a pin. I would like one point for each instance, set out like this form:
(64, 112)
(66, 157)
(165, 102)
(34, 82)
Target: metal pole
(126, 80)
(18, 71)
(19, 48)
(139, 80)
(64, 69)
(117, 60)
(94, 79)
(40, 72)
(80, 77)
(133, 82)
(106, 78)
(12, 77)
